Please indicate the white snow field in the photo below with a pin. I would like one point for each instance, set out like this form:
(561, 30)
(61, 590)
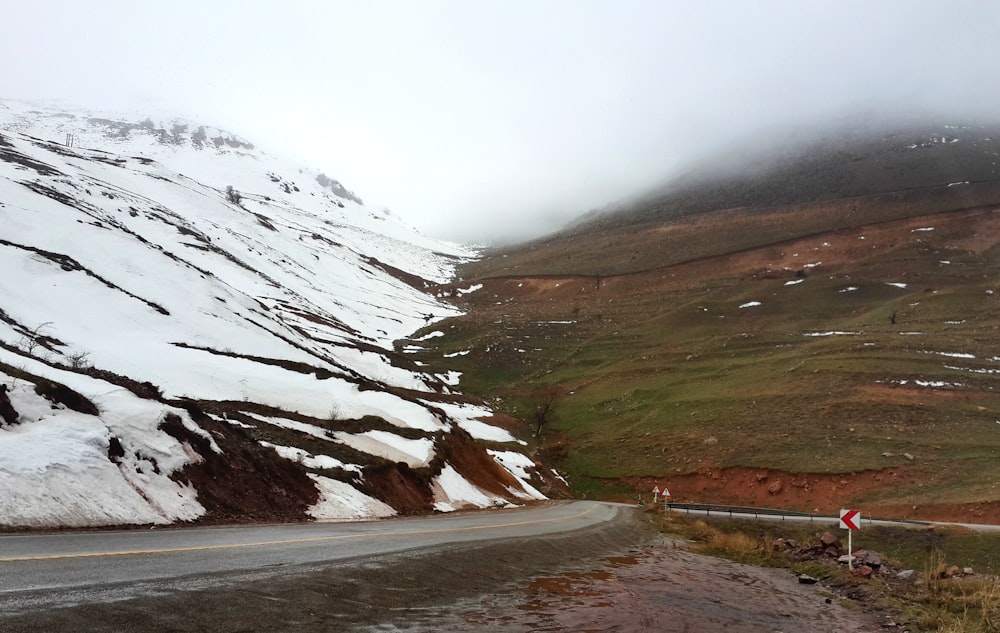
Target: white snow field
(182, 256)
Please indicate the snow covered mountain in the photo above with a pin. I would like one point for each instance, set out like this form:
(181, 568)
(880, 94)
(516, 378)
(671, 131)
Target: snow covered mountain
(191, 329)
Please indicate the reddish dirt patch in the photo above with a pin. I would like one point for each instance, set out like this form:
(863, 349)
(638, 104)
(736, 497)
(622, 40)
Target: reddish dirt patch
(398, 485)
(472, 461)
(246, 482)
(903, 395)
(817, 493)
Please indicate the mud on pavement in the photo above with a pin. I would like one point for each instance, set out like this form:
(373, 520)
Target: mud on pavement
(622, 576)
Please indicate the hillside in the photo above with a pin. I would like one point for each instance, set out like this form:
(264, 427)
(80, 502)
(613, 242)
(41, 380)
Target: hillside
(194, 330)
(759, 193)
(788, 347)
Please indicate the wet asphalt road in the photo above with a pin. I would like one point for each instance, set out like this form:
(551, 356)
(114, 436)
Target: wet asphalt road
(46, 571)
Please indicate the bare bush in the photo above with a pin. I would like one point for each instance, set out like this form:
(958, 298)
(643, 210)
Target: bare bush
(233, 195)
(79, 360)
(34, 338)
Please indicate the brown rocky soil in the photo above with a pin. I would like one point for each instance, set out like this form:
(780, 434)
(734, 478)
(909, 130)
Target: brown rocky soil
(816, 493)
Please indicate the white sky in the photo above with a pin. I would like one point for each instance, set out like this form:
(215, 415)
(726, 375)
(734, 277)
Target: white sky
(491, 121)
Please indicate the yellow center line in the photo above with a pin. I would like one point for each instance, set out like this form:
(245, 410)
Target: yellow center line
(314, 539)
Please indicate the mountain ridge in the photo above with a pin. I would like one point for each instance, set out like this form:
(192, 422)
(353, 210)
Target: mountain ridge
(231, 320)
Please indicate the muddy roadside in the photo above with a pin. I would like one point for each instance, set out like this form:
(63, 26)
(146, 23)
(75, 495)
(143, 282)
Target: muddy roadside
(622, 576)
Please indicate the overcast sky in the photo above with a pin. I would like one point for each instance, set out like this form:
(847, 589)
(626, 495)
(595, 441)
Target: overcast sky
(492, 121)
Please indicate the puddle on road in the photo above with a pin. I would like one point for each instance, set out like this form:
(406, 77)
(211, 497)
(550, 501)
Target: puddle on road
(656, 589)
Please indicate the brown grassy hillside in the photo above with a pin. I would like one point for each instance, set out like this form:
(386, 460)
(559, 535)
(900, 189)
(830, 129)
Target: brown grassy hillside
(808, 356)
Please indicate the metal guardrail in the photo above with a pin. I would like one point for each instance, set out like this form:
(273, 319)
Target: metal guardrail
(709, 508)
(746, 511)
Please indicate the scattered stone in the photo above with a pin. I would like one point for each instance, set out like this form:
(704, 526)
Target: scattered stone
(967, 571)
(953, 571)
(908, 456)
(776, 487)
(805, 579)
(868, 557)
(907, 574)
(830, 545)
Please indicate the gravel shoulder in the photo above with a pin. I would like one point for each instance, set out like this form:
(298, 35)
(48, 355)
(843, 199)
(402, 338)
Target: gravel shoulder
(620, 576)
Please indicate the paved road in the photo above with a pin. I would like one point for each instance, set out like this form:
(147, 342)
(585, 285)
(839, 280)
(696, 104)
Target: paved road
(56, 570)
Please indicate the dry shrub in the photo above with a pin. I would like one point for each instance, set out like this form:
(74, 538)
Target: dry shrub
(957, 605)
(734, 543)
(701, 532)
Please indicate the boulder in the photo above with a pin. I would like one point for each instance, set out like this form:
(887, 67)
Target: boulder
(830, 545)
(868, 557)
(7, 411)
(829, 540)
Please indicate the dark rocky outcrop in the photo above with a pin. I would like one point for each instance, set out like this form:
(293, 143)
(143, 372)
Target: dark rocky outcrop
(7, 411)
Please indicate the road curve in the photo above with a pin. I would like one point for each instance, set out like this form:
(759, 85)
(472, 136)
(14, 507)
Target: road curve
(54, 570)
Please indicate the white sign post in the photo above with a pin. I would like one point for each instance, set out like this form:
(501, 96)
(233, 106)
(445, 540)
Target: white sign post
(850, 520)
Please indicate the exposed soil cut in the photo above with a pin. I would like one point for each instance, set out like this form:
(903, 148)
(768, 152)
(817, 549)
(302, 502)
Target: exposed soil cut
(816, 493)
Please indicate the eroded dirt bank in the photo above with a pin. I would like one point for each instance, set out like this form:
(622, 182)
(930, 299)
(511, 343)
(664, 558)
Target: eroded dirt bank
(818, 493)
(619, 577)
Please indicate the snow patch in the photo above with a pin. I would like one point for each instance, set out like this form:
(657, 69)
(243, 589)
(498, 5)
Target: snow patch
(832, 333)
(487, 432)
(395, 448)
(338, 500)
(452, 492)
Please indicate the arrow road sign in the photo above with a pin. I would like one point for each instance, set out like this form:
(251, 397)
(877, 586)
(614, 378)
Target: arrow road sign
(850, 519)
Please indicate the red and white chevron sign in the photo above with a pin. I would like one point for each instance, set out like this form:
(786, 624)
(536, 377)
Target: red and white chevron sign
(850, 519)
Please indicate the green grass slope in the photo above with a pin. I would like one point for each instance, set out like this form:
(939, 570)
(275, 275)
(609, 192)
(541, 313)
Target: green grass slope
(806, 356)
